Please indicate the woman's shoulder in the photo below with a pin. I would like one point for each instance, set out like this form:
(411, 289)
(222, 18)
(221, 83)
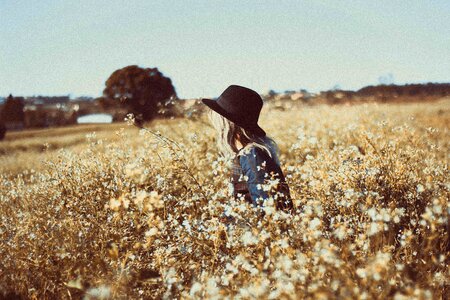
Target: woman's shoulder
(253, 156)
(252, 150)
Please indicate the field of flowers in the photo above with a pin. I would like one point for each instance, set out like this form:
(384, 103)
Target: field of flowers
(117, 212)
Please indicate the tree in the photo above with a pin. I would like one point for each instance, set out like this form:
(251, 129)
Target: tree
(107, 104)
(271, 93)
(139, 90)
(2, 130)
(12, 111)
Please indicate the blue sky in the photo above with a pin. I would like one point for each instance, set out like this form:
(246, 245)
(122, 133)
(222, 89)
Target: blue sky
(71, 47)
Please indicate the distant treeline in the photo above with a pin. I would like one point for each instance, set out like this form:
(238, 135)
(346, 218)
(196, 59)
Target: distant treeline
(44, 111)
(389, 93)
(429, 89)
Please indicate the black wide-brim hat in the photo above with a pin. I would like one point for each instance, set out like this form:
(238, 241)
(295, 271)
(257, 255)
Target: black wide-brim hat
(241, 106)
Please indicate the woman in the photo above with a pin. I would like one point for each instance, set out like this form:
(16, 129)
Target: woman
(256, 173)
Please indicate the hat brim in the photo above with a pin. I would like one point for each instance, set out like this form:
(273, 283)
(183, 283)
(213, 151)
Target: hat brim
(218, 109)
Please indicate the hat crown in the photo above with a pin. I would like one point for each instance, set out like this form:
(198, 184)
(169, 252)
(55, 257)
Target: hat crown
(239, 105)
(245, 104)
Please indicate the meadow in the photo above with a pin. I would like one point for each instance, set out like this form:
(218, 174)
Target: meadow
(113, 211)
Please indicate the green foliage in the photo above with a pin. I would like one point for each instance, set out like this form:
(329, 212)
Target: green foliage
(13, 110)
(2, 131)
(139, 90)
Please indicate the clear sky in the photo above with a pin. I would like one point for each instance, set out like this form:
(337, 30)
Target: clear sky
(65, 47)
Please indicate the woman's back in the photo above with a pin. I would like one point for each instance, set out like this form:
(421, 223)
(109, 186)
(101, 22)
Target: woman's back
(257, 177)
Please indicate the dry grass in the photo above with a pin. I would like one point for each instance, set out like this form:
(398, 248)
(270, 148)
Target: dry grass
(127, 214)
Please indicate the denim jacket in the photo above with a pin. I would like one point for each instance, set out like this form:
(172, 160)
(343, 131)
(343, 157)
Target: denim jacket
(254, 171)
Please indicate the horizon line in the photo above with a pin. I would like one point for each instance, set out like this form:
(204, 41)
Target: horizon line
(275, 90)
